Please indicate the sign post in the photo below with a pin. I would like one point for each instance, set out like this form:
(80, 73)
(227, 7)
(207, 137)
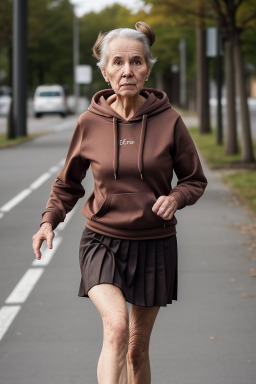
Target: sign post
(83, 74)
(214, 49)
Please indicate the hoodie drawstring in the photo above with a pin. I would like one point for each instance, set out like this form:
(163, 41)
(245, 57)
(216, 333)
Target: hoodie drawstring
(115, 160)
(141, 147)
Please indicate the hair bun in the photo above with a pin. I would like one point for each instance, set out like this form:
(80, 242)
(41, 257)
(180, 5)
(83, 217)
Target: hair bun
(97, 46)
(147, 30)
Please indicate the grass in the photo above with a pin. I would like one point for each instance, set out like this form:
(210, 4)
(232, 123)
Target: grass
(5, 142)
(244, 184)
(241, 180)
(215, 154)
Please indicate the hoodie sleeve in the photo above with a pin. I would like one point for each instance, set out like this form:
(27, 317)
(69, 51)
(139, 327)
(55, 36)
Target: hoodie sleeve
(186, 164)
(67, 187)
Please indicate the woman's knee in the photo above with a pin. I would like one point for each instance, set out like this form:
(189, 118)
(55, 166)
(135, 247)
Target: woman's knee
(138, 349)
(116, 330)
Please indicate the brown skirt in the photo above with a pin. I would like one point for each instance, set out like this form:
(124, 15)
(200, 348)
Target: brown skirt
(145, 270)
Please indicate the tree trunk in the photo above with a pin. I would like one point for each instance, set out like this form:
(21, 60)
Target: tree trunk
(246, 137)
(231, 131)
(192, 95)
(202, 82)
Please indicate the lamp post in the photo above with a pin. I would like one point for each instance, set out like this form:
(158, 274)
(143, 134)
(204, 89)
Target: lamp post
(76, 59)
(20, 67)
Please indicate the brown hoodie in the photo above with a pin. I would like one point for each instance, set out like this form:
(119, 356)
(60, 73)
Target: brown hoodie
(132, 163)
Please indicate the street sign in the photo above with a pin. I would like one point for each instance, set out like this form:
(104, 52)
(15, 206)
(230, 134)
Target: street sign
(83, 74)
(211, 50)
(213, 42)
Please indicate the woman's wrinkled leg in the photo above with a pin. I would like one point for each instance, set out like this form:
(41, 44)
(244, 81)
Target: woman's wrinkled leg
(141, 321)
(110, 302)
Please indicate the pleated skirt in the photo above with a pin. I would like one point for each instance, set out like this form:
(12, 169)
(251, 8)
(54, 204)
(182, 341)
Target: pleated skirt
(145, 270)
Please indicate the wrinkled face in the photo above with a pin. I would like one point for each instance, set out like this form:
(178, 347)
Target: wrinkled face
(126, 68)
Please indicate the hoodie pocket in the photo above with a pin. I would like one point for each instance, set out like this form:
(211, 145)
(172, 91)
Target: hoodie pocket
(128, 210)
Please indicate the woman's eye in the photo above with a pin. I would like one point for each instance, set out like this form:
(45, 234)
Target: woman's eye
(136, 62)
(117, 62)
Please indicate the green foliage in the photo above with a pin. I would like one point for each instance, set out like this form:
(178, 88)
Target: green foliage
(173, 20)
(5, 41)
(91, 24)
(50, 42)
(50, 36)
(5, 22)
(248, 40)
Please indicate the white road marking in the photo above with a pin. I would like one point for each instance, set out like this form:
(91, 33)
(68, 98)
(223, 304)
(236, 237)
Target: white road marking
(47, 255)
(16, 200)
(26, 192)
(7, 315)
(68, 217)
(61, 163)
(54, 169)
(24, 286)
(28, 281)
(38, 182)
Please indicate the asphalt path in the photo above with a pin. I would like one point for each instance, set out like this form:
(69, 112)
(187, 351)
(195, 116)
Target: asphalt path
(49, 335)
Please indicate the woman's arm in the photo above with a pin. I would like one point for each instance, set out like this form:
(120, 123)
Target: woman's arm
(191, 179)
(65, 192)
(187, 166)
(45, 233)
(67, 187)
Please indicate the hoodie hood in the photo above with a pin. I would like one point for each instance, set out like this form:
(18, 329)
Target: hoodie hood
(156, 102)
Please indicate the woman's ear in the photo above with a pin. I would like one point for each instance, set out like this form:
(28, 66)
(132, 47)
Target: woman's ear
(104, 74)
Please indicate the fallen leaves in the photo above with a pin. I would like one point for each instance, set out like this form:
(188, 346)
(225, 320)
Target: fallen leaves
(231, 201)
(252, 272)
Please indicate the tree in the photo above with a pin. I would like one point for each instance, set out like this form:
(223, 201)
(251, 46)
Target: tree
(50, 44)
(192, 13)
(233, 17)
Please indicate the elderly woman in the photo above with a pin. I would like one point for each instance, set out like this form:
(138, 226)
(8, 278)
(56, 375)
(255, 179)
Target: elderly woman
(133, 140)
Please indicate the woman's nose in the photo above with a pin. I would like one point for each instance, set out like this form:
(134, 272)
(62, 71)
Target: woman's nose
(127, 70)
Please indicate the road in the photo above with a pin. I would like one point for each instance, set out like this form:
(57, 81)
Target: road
(49, 335)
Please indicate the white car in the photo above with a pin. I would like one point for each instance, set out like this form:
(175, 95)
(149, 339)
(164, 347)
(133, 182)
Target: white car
(50, 99)
(5, 99)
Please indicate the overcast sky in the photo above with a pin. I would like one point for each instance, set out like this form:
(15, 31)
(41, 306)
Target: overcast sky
(86, 6)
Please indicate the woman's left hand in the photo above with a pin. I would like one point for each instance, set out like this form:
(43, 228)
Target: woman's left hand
(165, 207)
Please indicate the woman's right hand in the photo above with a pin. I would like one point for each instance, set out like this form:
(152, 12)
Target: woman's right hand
(44, 233)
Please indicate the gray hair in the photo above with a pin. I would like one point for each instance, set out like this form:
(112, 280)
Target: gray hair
(128, 33)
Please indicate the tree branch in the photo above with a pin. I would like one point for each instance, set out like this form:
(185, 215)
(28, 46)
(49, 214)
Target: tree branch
(248, 19)
(220, 15)
(181, 8)
(238, 3)
(218, 7)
